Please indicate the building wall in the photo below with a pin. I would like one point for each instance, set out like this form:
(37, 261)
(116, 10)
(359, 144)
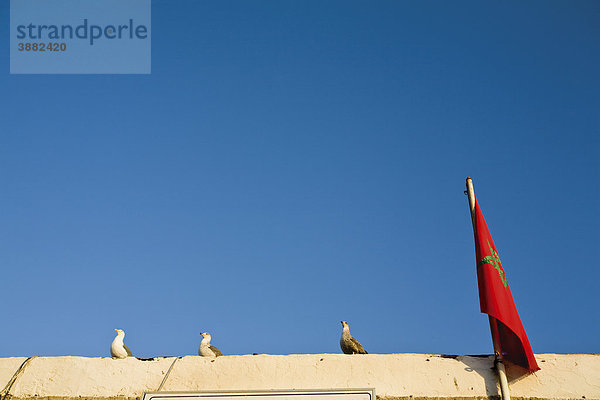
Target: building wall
(394, 376)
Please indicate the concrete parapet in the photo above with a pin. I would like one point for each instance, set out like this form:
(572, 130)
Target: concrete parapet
(394, 376)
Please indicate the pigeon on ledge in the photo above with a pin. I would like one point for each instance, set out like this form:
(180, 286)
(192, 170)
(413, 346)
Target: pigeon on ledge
(118, 349)
(206, 350)
(348, 344)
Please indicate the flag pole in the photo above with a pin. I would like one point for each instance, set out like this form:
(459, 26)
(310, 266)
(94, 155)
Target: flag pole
(498, 362)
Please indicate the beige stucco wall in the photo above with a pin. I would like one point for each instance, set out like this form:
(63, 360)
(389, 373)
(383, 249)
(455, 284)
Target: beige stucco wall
(406, 376)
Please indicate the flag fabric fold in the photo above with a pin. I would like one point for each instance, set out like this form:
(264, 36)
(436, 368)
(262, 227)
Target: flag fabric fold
(496, 299)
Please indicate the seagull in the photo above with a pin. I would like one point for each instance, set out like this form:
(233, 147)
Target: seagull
(118, 348)
(206, 350)
(348, 344)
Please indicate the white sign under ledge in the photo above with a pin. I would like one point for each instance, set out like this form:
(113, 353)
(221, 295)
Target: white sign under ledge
(325, 394)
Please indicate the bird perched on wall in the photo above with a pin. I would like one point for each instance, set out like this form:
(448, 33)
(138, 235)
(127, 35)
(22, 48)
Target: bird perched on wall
(206, 350)
(118, 349)
(348, 344)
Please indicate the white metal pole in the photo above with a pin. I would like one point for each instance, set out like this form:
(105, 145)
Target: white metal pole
(498, 363)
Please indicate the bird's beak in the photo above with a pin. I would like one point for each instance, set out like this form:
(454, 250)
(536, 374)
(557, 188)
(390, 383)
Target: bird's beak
(116, 330)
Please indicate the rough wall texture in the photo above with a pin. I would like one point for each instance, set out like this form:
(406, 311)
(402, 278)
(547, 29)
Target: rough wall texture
(394, 376)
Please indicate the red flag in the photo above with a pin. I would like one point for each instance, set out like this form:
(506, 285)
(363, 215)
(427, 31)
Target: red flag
(496, 299)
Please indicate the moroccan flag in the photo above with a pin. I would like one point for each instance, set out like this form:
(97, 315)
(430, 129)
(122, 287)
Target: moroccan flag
(497, 301)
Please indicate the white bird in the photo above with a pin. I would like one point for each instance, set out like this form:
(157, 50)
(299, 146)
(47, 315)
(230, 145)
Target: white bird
(348, 344)
(206, 350)
(118, 349)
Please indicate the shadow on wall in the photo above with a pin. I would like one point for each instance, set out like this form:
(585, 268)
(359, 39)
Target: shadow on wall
(484, 366)
(514, 372)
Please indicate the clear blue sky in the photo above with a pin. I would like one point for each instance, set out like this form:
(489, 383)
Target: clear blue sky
(289, 164)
